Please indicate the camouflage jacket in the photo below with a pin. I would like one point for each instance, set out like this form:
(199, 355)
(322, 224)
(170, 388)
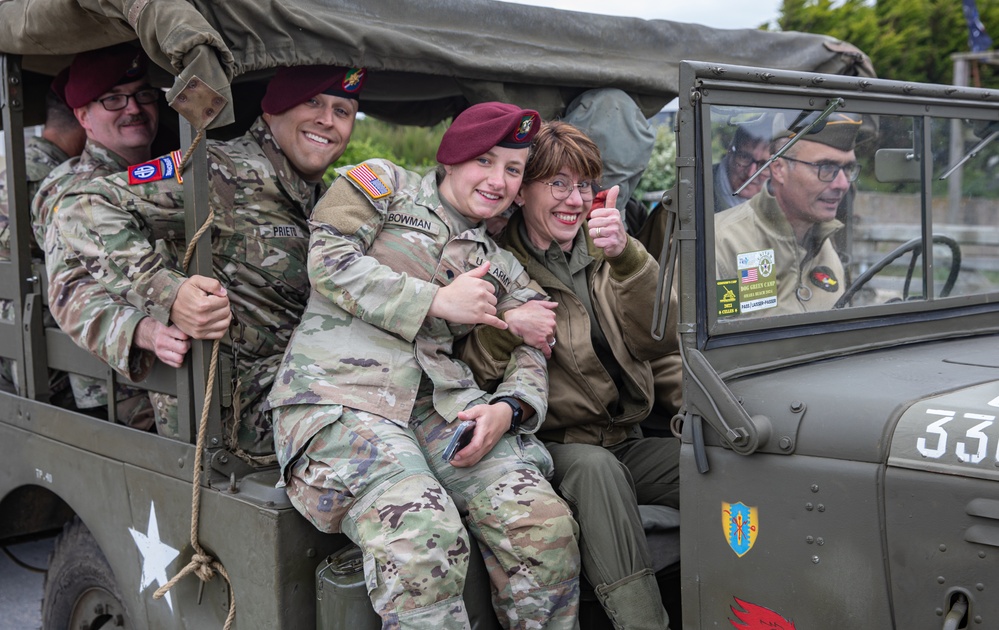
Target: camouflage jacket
(376, 263)
(259, 239)
(41, 156)
(93, 318)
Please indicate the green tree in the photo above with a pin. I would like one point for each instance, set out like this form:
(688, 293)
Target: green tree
(413, 148)
(907, 40)
(660, 174)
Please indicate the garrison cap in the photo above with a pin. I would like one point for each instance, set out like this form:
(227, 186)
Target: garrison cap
(484, 126)
(94, 72)
(838, 131)
(293, 85)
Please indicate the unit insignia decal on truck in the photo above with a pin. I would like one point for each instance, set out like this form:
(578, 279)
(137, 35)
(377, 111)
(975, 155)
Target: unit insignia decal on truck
(740, 523)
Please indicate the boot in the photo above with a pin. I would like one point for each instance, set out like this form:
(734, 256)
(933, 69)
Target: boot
(634, 603)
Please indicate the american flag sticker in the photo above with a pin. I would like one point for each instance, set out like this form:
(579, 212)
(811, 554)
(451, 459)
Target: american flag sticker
(176, 157)
(364, 177)
(749, 275)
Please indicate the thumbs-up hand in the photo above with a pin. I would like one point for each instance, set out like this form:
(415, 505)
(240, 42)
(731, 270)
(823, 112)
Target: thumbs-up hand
(606, 228)
(468, 300)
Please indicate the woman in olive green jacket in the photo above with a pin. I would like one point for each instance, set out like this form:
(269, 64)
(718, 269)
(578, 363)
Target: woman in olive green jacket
(601, 377)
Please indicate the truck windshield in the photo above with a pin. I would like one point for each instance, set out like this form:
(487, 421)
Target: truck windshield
(854, 220)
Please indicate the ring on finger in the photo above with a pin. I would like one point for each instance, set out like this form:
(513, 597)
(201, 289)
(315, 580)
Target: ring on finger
(551, 344)
(599, 231)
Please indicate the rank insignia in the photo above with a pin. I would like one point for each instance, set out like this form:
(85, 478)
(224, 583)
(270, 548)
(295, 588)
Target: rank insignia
(154, 170)
(740, 524)
(824, 278)
(366, 178)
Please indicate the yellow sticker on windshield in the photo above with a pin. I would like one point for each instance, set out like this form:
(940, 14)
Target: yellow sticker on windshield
(727, 295)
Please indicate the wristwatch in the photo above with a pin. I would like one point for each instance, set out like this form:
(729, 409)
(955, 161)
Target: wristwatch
(518, 411)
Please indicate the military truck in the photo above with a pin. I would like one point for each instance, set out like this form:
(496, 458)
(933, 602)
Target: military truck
(838, 467)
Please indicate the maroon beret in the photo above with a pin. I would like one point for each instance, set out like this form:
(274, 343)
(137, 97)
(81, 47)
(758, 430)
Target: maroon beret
(484, 126)
(297, 84)
(95, 72)
(59, 84)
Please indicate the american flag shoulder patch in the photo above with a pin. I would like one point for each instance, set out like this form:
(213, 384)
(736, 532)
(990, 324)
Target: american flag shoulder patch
(366, 178)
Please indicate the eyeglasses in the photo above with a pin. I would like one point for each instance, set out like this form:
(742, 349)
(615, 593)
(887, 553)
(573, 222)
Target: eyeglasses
(561, 189)
(116, 102)
(827, 171)
(743, 159)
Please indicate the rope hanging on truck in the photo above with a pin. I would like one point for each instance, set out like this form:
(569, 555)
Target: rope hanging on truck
(202, 564)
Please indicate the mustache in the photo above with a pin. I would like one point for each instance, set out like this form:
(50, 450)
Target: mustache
(134, 119)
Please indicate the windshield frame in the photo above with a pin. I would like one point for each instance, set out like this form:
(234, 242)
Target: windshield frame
(751, 344)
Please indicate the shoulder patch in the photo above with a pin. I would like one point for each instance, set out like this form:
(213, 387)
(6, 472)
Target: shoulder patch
(154, 170)
(496, 270)
(824, 278)
(369, 182)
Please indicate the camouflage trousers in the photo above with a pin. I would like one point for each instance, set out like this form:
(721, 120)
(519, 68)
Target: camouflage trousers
(60, 394)
(242, 394)
(166, 413)
(604, 486)
(133, 406)
(386, 487)
(245, 422)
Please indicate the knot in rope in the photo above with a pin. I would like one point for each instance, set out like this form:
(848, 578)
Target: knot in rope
(203, 566)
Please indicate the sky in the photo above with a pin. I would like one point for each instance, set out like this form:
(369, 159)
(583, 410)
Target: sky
(715, 13)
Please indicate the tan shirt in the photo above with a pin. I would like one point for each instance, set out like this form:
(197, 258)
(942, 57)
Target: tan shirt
(809, 276)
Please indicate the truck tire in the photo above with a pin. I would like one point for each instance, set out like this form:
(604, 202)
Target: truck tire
(80, 589)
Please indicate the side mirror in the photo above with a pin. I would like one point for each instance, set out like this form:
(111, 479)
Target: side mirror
(897, 165)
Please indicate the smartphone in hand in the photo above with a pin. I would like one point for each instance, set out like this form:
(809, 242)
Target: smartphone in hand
(462, 436)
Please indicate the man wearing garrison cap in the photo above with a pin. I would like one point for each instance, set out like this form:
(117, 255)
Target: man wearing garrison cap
(108, 93)
(369, 393)
(263, 186)
(774, 251)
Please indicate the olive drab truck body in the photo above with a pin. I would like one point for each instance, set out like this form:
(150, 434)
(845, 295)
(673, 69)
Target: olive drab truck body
(838, 467)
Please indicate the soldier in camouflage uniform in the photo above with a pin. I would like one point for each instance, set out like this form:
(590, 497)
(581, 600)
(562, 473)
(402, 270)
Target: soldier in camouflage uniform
(116, 106)
(62, 138)
(263, 187)
(368, 395)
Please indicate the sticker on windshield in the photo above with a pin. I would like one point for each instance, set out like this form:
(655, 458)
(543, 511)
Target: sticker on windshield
(726, 292)
(757, 281)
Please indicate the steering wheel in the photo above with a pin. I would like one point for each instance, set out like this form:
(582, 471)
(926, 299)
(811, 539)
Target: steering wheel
(915, 247)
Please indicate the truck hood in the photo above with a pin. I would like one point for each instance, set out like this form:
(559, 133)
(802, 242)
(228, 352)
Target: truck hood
(856, 407)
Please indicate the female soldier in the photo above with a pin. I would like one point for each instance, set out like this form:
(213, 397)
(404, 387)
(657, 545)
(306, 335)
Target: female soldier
(368, 394)
(601, 380)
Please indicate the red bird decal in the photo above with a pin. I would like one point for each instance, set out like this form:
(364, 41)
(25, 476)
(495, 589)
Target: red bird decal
(753, 617)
